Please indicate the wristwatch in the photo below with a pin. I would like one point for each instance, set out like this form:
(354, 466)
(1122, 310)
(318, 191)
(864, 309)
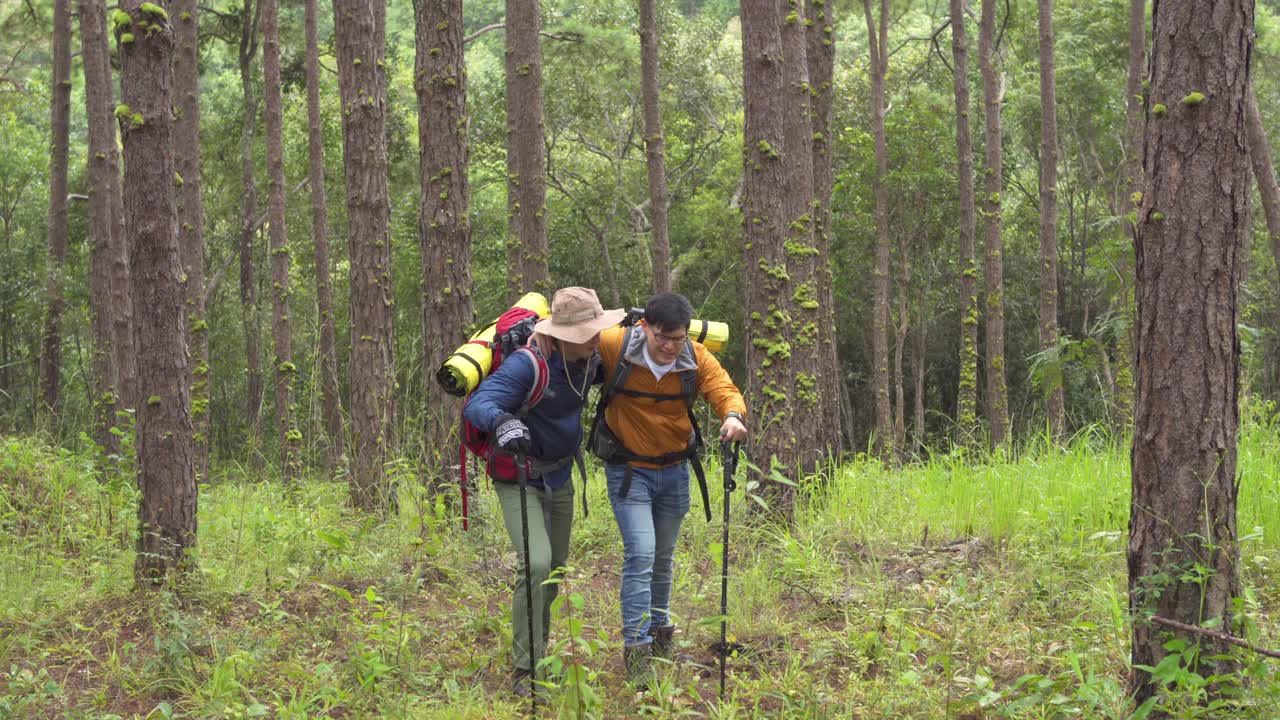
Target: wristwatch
(736, 415)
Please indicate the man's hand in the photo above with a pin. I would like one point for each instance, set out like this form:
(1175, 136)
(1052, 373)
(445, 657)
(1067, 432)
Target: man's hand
(512, 435)
(733, 430)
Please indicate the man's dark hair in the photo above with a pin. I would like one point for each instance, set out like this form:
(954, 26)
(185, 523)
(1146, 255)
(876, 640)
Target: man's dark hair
(668, 311)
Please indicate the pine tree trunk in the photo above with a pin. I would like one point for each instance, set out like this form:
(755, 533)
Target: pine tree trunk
(444, 230)
(1134, 103)
(654, 146)
(993, 95)
(877, 38)
(1192, 228)
(331, 403)
(527, 253)
(918, 430)
(900, 347)
(771, 379)
(1054, 410)
(1264, 173)
(248, 227)
(186, 160)
(290, 437)
(821, 55)
(104, 231)
(60, 111)
(166, 470)
(967, 397)
(800, 253)
(359, 36)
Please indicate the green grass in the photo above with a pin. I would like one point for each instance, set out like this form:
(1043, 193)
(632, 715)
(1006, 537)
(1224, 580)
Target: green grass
(949, 588)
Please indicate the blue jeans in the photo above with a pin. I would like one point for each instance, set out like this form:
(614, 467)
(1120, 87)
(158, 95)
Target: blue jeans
(649, 519)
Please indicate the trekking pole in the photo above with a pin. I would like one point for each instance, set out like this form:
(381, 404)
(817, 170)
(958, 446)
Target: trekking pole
(730, 451)
(522, 479)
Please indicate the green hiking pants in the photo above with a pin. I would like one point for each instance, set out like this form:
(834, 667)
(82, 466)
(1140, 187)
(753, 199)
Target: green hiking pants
(550, 519)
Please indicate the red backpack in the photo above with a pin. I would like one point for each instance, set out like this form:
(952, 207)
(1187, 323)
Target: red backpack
(514, 328)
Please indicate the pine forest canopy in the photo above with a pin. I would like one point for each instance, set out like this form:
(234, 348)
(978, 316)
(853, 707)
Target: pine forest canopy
(598, 216)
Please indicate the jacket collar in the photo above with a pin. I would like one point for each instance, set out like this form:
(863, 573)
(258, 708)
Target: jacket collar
(635, 352)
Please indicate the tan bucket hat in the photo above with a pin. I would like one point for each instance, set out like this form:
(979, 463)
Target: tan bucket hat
(577, 315)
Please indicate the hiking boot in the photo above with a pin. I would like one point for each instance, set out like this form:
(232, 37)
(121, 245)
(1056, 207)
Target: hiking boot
(663, 641)
(639, 662)
(664, 645)
(521, 683)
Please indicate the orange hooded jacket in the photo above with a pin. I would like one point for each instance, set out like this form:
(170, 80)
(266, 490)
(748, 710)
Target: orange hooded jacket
(650, 427)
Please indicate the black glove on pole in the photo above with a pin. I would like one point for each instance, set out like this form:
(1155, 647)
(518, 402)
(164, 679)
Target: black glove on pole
(512, 435)
(522, 479)
(730, 452)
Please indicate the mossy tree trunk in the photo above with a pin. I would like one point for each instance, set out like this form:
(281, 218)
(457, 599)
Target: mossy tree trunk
(1193, 222)
(60, 111)
(527, 253)
(444, 231)
(1122, 401)
(166, 469)
(967, 396)
(654, 146)
(290, 437)
(993, 96)
(1054, 410)
(248, 226)
(800, 254)
(105, 234)
(821, 56)
(877, 39)
(771, 376)
(359, 34)
(186, 159)
(331, 400)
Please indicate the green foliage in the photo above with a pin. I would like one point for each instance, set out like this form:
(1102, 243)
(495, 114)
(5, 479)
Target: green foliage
(904, 579)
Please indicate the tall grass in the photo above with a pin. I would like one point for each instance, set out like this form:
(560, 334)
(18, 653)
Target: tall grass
(991, 586)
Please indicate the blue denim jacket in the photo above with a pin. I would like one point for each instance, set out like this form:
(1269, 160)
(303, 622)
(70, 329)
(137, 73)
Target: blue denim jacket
(555, 423)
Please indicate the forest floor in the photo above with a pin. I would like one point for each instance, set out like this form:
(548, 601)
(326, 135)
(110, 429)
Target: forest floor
(944, 589)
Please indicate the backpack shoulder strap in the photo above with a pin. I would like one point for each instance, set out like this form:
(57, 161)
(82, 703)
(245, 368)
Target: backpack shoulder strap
(689, 380)
(621, 370)
(540, 378)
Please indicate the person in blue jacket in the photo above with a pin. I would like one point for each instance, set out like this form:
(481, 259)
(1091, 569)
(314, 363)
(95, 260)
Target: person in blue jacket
(549, 435)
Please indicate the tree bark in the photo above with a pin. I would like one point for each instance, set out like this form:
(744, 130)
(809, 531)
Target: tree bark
(331, 402)
(771, 378)
(800, 253)
(60, 112)
(105, 235)
(166, 470)
(186, 160)
(1134, 103)
(249, 209)
(1192, 228)
(654, 146)
(918, 433)
(967, 397)
(1054, 410)
(1264, 173)
(821, 56)
(444, 230)
(900, 347)
(877, 39)
(527, 253)
(993, 95)
(290, 437)
(360, 36)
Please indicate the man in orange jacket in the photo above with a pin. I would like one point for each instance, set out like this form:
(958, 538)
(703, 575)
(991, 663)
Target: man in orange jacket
(646, 436)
